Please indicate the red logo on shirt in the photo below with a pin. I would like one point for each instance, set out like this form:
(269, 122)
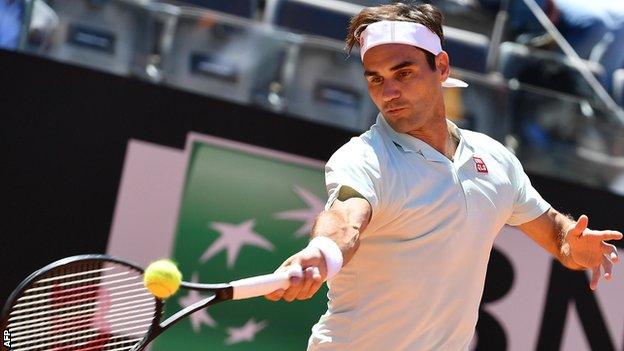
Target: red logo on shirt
(481, 167)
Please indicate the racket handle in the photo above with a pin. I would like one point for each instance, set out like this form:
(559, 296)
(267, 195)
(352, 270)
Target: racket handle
(264, 284)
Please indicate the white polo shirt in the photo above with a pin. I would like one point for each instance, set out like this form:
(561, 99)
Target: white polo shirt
(417, 278)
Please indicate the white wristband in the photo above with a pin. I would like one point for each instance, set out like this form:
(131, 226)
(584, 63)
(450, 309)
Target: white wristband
(331, 252)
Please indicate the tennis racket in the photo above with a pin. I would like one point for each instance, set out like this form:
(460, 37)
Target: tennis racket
(98, 302)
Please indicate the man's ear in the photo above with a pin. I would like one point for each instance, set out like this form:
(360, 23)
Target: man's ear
(443, 65)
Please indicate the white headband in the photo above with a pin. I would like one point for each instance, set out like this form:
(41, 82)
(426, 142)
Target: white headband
(408, 33)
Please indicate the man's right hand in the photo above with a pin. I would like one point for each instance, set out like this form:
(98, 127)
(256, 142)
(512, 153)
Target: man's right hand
(315, 271)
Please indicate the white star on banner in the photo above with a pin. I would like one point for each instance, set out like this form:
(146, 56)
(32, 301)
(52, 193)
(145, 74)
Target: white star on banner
(245, 333)
(307, 215)
(232, 238)
(199, 317)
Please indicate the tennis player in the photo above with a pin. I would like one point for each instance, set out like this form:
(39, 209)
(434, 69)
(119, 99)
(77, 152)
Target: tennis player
(415, 204)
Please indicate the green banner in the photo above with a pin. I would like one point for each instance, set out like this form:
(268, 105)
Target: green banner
(242, 213)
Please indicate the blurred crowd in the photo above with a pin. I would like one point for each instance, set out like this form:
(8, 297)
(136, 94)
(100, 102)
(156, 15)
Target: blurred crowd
(287, 55)
(594, 29)
(42, 23)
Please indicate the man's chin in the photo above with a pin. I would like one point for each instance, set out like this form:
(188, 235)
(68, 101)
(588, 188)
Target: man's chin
(400, 124)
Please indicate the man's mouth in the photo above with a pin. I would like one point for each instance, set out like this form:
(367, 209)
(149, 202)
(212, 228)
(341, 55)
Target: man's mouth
(395, 109)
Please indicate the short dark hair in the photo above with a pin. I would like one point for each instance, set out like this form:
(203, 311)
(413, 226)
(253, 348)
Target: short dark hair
(425, 14)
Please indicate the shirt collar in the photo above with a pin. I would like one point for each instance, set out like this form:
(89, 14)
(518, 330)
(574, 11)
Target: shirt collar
(408, 143)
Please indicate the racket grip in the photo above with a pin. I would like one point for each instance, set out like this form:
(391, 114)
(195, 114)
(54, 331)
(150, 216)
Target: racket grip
(264, 284)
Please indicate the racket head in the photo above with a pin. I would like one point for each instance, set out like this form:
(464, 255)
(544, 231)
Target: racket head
(90, 302)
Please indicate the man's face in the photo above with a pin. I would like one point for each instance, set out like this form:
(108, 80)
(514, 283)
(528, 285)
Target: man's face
(403, 86)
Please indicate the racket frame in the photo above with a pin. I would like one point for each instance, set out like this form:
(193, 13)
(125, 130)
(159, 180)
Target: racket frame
(221, 292)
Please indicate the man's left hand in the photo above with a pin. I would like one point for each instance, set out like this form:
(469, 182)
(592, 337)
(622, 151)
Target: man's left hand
(588, 249)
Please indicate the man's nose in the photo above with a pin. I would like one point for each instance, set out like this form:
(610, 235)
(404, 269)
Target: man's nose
(390, 91)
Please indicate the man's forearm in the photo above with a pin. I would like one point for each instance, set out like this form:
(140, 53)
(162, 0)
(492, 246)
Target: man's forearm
(549, 230)
(343, 224)
(334, 225)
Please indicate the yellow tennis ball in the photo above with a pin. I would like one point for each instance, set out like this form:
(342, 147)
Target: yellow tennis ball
(162, 278)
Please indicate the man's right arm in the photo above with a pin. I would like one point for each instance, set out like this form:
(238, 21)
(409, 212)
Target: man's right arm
(342, 223)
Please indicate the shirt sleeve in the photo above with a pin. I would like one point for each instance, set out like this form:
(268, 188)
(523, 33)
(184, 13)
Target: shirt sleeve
(528, 203)
(356, 168)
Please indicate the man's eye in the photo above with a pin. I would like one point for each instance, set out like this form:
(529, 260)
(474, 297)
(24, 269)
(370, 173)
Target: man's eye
(405, 74)
(376, 80)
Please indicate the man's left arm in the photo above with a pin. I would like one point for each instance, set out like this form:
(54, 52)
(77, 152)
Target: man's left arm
(573, 244)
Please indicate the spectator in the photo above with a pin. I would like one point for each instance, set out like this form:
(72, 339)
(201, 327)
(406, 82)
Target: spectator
(610, 50)
(43, 23)
(594, 29)
(11, 17)
(12, 14)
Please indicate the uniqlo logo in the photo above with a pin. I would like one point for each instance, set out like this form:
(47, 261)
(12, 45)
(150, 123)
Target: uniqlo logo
(481, 167)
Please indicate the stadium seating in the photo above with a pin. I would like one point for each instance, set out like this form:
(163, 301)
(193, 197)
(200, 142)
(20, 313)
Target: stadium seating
(618, 86)
(545, 69)
(467, 50)
(369, 2)
(222, 56)
(318, 81)
(240, 8)
(96, 34)
(322, 18)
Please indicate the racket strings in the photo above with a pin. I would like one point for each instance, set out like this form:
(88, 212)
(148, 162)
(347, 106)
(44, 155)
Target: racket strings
(79, 314)
(79, 298)
(86, 305)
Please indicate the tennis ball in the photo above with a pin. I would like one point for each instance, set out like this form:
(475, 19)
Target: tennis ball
(162, 278)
